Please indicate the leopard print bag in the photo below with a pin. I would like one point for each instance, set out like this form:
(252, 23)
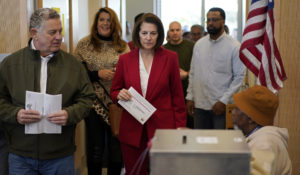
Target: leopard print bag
(102, 102)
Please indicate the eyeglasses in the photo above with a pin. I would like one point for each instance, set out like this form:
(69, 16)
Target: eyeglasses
(212, 19)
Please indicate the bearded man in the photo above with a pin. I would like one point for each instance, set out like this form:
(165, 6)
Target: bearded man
(216, 74)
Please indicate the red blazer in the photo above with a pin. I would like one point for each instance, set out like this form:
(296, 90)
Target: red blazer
(164, 92)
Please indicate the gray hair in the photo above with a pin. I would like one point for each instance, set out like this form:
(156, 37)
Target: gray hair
(40, 16)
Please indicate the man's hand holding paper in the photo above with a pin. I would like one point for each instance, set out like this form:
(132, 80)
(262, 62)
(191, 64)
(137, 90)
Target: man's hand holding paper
(59, 118)
(46, 108)
(28, 116)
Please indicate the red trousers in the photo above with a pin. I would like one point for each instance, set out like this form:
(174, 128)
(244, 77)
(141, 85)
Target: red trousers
(134, 163)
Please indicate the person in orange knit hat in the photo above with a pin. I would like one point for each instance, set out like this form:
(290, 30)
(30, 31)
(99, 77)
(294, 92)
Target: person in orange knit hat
(254, 115)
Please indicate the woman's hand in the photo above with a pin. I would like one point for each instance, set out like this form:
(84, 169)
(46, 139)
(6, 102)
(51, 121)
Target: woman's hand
(124, 95)
(106, 74)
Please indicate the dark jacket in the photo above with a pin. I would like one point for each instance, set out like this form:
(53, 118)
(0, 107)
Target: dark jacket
(20, 72)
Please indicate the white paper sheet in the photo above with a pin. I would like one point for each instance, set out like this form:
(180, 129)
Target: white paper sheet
(45, 104)
(138, 106)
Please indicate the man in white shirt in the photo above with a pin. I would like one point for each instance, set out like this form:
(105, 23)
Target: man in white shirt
(216, 74)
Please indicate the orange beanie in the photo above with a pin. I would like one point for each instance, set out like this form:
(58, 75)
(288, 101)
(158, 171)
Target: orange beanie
(259, 103)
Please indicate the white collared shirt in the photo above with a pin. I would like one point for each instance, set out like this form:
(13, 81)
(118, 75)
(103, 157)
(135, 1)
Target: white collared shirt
(216, 71)
(144, 75)
(44, 63)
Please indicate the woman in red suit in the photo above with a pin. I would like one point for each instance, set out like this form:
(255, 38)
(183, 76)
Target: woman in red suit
(153, 72)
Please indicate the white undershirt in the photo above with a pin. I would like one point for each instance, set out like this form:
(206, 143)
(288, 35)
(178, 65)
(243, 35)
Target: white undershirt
(143, 74)
(44, 63)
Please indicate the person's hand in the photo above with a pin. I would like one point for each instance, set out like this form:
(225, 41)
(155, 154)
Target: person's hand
(106, 74)
(59, 118)
(219, 108)
(183, 74)
(28, 116)
(190, 107)
(124, 95)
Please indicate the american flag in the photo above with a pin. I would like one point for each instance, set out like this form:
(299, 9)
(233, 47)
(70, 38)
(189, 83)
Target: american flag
(258, 50)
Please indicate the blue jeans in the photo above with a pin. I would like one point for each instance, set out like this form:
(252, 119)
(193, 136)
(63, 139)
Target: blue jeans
(19, 165)
(206, 119)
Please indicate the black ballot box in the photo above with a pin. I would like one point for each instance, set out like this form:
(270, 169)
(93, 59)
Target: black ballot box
(196, 152)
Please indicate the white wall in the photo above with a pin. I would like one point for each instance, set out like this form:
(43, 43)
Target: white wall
(134, 7)
(119, 6)
(83, 14)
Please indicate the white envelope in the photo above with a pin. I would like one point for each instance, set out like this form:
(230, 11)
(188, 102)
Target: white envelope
(138, 106)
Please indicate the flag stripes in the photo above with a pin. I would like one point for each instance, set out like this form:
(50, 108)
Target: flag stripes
(258, 50)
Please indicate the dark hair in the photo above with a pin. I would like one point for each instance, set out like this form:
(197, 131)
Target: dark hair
(152, 19)
(222, 13)
(116, 31)
(138, 16)
(186, 34)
